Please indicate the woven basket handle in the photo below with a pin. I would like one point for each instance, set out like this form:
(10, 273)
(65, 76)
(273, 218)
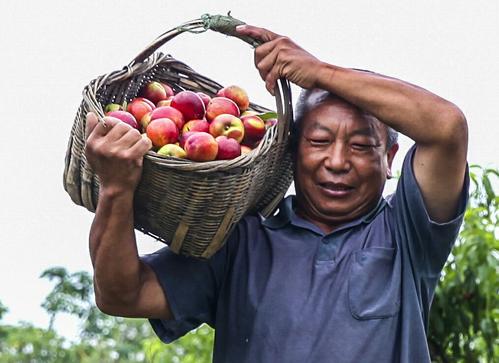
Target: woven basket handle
(225, 24)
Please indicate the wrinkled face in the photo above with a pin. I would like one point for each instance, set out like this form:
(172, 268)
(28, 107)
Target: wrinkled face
(342, 163)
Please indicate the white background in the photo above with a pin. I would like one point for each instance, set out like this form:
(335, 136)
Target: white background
(50, 50)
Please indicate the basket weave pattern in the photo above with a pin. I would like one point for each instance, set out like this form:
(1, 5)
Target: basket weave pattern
(192, 206)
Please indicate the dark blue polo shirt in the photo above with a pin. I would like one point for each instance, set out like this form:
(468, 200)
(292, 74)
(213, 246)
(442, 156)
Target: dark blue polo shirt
(281, 290)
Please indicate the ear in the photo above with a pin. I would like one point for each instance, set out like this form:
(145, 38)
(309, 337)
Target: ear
(390, 155)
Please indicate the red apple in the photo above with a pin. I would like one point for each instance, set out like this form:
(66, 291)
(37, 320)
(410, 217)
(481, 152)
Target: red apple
(206, 99)
(184, 136)
(249, 113)
(169, 112)
(166, 102)
(154, 91)
(245, 149)
(227, 125)
(172, 150)
(190, 104)
(196, 125)
(254, 129)
(168, 90)
(227, 148)
(162, 131)
(149, 102)
(201, 146)
(221, 105)
(238, 95)
(220, 92)
(139, 107)
(126, 117)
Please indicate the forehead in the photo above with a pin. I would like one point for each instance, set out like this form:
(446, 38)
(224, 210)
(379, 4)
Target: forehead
(332, 114)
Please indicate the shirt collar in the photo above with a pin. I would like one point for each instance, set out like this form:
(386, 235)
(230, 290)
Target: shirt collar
(286, 215)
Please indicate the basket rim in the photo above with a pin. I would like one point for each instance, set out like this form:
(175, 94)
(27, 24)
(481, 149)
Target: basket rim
(276, 134)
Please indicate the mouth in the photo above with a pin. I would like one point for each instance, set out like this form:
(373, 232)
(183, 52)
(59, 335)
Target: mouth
(336, 190)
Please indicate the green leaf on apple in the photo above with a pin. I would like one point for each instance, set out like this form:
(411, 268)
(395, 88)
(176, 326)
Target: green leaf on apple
(267, 115)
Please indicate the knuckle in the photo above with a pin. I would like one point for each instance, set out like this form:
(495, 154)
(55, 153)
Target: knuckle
(93, 147)
(146, 142)
(124, 155)
(134, 134)
(128, 155)
(112, 153)
(121, 126)
(283, 40)
(285, 53)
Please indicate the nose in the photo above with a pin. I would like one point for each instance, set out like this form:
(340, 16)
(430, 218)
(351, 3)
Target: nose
(337, 159)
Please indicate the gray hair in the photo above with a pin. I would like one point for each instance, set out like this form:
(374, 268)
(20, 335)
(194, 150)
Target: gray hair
(311, 97)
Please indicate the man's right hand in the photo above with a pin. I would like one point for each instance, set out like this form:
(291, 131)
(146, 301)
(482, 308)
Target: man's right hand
(115, 152)
(124, 285)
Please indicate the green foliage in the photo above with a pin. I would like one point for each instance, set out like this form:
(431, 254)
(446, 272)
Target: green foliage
(103, 338)
(26, 343)
(3, 310)
(194, 347)
(71, 294)
(465, 312)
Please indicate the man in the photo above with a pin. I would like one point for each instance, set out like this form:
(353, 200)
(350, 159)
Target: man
(339, 274)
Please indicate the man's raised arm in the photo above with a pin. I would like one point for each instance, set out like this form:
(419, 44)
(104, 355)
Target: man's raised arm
(124, 285)
(437, 126)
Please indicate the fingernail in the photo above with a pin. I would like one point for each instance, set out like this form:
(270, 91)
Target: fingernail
(241, 27)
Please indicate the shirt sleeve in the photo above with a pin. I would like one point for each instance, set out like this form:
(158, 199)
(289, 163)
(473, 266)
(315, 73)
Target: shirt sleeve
(191, 287)
(427, 242)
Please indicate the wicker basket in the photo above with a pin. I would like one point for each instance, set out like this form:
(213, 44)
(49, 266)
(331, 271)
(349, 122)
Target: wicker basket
(191, 206)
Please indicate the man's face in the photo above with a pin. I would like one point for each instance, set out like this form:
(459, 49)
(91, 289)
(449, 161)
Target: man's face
(341, 164)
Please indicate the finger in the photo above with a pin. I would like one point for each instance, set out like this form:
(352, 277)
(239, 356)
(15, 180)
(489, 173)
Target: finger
(117, 130)
(270, 69)
(141, 147)
(256, 32)
(271, 81)
(102, 129)
(90, 123)
(129, 138)
(267, 61)
(262, 50)
(260, 54)
(263, 73)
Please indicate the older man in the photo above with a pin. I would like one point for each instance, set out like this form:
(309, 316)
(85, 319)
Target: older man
(340, 274)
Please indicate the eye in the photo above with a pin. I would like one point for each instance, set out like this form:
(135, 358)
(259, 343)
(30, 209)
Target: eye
(318, 141)
(363, 147)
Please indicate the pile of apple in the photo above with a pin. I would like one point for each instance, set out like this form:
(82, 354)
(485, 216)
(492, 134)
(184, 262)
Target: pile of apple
(193, 125)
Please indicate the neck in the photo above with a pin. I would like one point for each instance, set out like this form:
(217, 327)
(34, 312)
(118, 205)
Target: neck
(328, 223)
(325, 227)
